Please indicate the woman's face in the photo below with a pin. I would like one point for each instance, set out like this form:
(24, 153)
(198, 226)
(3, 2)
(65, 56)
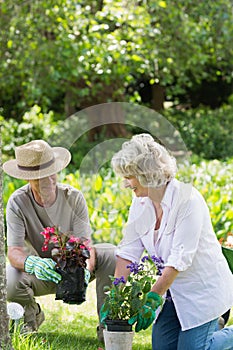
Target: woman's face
(134, 184)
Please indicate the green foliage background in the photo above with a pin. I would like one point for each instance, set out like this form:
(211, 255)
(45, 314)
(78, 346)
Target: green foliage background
(108, 202)
(67, 55)
(59, 57)
(205, 132)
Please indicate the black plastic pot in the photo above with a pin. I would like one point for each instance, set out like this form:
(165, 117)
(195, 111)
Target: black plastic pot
(72, 288)
(118, 326)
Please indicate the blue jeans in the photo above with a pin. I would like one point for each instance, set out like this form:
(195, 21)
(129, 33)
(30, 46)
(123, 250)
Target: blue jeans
(167, 334)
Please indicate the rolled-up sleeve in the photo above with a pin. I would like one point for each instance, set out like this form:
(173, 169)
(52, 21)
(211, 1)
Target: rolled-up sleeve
(187, 233)
(131, 246)
(15, 225)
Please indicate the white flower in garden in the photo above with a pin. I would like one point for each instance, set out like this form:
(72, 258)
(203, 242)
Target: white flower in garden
(230, 240)
(15, 311)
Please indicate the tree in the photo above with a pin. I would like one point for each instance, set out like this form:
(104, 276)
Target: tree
(5, 340)
(67, 56)
(195, 46)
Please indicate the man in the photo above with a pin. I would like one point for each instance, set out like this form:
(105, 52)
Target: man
(41, 203)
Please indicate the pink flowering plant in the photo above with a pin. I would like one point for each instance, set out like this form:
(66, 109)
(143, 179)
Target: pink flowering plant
(68, 251)
(124, 298)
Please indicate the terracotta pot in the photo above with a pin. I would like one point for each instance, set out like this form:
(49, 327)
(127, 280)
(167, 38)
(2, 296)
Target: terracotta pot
(72, 288)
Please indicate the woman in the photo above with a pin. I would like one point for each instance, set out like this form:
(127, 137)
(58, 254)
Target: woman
(171, 220)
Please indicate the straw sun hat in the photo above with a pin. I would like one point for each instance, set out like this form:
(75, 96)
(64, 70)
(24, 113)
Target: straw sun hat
(37, 159)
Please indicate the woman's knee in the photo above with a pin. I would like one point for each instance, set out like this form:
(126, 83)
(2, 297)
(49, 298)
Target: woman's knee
(223, 339)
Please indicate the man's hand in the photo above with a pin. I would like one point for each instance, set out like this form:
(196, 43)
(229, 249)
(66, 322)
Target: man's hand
(42, 268)
(146, 314)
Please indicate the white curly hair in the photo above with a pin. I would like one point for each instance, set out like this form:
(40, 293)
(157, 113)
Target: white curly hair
(147, 160)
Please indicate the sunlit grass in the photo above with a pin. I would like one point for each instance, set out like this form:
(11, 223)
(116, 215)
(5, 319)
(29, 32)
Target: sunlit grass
(29, 342)
(73, 327)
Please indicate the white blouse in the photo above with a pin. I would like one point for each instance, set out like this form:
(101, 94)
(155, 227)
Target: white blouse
(203, 289)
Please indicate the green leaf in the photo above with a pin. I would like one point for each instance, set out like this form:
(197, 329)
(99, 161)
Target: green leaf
(147, 287)
(136, 289)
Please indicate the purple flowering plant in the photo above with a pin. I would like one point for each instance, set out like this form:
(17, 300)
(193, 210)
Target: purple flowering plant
(124, 298)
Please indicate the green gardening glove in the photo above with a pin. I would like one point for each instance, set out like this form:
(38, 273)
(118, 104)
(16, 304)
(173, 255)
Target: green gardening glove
(103, 313)
(87, 276)
(42, 268)
(146, 314)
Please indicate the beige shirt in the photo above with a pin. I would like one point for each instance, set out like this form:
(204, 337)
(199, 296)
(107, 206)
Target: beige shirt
(26, 219)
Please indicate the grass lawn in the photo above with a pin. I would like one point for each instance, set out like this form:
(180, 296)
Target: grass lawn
(73, 327)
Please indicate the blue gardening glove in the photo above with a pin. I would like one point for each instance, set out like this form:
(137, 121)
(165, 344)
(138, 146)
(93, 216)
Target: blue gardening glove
(146, 314)
(42, 268)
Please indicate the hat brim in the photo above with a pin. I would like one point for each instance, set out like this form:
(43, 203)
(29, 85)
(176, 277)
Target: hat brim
(62, 158)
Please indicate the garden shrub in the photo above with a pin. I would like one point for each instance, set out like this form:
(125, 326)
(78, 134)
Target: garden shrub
(213, 180)
(38, 125)
(34, 125)
(206, 132)
(108, 203)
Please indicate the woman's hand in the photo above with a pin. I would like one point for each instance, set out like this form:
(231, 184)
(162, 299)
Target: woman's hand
(146, 314)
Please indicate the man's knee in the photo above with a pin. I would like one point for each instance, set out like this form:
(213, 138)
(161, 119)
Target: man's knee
(105, 257)
(105, 266)
(23, 287)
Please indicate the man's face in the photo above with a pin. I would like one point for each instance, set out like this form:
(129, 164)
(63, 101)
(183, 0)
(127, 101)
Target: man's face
(44, 186)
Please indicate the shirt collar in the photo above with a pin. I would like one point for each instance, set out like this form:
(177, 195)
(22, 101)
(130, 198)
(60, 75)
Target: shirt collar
(168, 195)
